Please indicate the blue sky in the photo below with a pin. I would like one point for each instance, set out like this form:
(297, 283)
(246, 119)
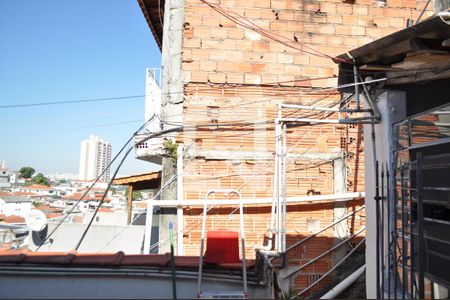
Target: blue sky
(68, 50)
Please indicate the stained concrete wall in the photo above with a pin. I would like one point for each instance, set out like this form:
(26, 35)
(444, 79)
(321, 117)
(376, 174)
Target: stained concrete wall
(73, 283)
(100, 238)
(172, 103)
(392, 108)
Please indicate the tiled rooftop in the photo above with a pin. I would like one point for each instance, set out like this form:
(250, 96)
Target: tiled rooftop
(78, 196)
(11, 219)
(37, 187)
(48, 208)
(53, 215)
(25, 194)
(113, 259)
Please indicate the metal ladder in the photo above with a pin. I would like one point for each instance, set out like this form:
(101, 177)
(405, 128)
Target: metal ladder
(222, 294)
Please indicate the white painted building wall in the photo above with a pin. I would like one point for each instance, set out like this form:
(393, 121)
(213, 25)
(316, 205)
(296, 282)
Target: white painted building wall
(48, 192)
(5, 181)
(100, 238)
(9, 207)
(152, 98)
(58, 203)
(106, 218)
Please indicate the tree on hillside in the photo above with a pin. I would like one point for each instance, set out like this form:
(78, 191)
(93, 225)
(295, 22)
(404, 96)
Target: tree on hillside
(26, 172)
(136, 194)
(40, 179)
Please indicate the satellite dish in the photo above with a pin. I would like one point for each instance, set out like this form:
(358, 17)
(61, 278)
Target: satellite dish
(36, 220)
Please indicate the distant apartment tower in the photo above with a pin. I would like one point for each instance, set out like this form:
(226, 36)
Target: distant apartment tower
(2, 164)
(95, 155)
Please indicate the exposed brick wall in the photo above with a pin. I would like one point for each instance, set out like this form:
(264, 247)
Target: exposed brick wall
(228, 71)
(218, 50)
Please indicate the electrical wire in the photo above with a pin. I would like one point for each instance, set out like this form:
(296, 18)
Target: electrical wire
(145, 139)
(423, 11)
(96, 114)
(164, 242)
(71, 101)
(266, 165)
(118, 234)
(239, 123)
(237, 86)
(200, 107)
(93, 184)
(103, 198)
(115, 174)
(247, 23)
(117, 98)
(252, 130)
(72, 128)
(100, 125)
(156, 196)
(88, 100)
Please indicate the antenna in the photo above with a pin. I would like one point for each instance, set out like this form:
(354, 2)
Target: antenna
(36, 220)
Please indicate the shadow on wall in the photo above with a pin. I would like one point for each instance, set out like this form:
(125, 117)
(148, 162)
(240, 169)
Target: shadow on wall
(303, 220)
(309, 272)
(306, 271)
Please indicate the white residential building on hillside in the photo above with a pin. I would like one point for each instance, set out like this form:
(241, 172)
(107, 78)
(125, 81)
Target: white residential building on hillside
(39, 189)
(95, 156)
(15, 205)
(4, 179)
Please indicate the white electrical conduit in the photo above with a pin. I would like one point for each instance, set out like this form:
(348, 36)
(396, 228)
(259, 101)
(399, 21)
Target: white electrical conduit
(344, 284)
(180, 196)
(314, 121)
(321, 108)
(310, 107)
(293, 200)
(269, 245)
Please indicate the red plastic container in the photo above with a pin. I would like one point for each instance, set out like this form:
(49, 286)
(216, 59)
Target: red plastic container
(222, 247)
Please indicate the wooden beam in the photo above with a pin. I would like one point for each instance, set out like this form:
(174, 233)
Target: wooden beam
(146, 185)
(130, 203)
(413, 76)
(137, 178)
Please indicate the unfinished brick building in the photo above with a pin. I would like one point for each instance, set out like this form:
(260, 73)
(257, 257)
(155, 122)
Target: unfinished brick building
(226, 67)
